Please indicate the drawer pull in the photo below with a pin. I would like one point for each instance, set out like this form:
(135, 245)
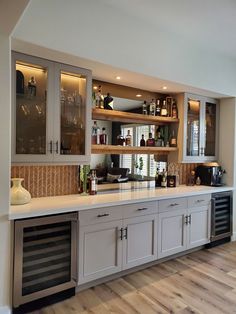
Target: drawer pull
(121, 233)
(126, 233)
(199, 201)
(102, 215)
(173, 204)
(144, 208)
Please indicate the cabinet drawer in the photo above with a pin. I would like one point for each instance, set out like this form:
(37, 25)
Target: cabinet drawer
(173, 204)
(99, 215)
(140, 209)
(199, 200)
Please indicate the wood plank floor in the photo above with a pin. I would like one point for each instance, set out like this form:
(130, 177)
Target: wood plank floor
(200, 282)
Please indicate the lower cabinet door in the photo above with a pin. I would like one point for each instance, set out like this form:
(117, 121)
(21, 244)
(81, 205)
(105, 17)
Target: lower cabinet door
(139, 240)
(100, 250)
(199, 226)
(171, 232)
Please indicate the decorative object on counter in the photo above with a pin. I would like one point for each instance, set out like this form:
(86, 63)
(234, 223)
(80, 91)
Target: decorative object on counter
(198, 181)
(93, 183)
(158, 108)
(84, 176)
(108, 102)
(191, 178)
(158, 178)
(103, 137)
(164, 112)
(95, 133)
(99, 103)
(120, 140)
(164, 179)
(19, 195)
(150, 141)
(128, 139)
(152, 108)
(139, 166)
(173, 140)
(32, 87)
(142, 141)
(20, 82)
(172, 181)
(144, 108)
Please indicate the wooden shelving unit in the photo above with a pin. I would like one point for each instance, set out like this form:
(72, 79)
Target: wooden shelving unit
(128, 117)
(113, 149)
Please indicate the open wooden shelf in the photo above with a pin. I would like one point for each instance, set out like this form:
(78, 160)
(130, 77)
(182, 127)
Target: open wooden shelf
(113, 149)
(128, 117)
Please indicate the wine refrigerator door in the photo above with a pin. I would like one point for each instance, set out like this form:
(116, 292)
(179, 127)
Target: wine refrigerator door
(32, 81)
(44, 257)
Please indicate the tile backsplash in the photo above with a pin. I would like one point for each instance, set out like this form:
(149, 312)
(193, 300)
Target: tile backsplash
(63, 180)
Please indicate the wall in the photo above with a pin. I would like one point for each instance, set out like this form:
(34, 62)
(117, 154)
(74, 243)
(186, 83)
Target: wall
(5, 247)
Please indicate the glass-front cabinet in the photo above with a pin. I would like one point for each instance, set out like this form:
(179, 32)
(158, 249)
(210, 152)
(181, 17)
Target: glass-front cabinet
(200, 129)
(51, 111)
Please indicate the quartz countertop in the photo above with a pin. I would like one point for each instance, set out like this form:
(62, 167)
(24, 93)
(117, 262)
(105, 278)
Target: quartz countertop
(61, 204)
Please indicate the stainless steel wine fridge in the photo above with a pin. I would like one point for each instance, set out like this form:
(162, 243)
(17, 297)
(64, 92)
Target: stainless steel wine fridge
(45, 257)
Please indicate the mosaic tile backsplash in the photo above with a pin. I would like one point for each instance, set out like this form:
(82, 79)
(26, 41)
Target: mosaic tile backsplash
(63, 180)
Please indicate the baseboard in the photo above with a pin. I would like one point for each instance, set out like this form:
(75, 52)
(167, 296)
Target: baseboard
(233, 237)
(5, 310)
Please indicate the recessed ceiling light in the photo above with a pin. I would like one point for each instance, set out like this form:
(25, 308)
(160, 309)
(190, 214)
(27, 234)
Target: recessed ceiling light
(138, 95)
(118, 77)
(164, 87)
(95, 87)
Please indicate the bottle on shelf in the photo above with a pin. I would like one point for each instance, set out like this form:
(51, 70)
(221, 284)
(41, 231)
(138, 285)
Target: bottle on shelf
(174, 112)
(144, 107)
(103, 137)
(150, 141)
(32, 86)
(99, 98)
(158, 108)
(95, 133)
(120, 140)
(164, 179)
(164, 111)
(128, 139)
(142, 141)
(173, 139)
(159, 141)
(152, 108)
(93, 183)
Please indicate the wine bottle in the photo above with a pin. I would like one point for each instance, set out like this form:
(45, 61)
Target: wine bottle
(152, 108)
(150, 141)
(158, 108)
(164, 111)
(128, 139)
(142, 141)
(173, 139)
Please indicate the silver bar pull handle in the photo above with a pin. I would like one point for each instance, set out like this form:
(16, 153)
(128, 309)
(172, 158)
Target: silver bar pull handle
(102, 215)
(126, 233)
(50, 147)
(144, 208)
(57, 147)
(174, 204)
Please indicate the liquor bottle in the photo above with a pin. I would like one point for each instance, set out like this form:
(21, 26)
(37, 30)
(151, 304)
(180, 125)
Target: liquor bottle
(174, 113)
(159, 139)
(99, 98)
(150, 141)
(142, 141)
(103, 137)
(120, 140)
(144, 107)
(164, 179)
(152, 108)
(158, 108)
(164, 111)
(157, 179)
(173, 140)
(93, 183)
(128, 139)
(108, 102)
(95, 133)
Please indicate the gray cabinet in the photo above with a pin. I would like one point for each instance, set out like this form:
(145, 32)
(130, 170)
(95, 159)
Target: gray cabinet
(51, 112)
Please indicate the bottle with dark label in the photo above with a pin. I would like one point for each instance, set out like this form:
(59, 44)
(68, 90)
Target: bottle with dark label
(150, 141)
(164, 179)
(173, 140)
(174, 113)
(120, 140)
(142, 141)
(128, 139)
(158, 108)
(152, 108)
(164, 111)
(144, 107)
(157, 179)
(103, 137)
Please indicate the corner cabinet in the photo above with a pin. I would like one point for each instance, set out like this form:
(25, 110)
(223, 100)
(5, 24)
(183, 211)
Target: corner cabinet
(198, 129)
(51, 111)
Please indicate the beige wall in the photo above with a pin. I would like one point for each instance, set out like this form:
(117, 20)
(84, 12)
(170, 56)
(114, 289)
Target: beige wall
(4, 172)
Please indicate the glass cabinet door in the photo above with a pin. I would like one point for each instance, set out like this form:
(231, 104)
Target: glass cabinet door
(210, 129)
(31, 109)
(193, 127)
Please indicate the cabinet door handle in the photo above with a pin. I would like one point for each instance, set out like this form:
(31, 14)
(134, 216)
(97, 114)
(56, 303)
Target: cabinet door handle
(185, 220)
(50, 147)
(121, 233)
(102, 215)
(144, 208)
(189, 219)
(126, 233)
(199, 201)
(173, 204)
(57, 147)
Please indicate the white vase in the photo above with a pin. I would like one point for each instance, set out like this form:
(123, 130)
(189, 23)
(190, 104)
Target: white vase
(19, 195)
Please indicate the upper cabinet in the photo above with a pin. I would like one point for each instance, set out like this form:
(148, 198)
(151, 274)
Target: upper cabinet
(51, 112)
(198, 129)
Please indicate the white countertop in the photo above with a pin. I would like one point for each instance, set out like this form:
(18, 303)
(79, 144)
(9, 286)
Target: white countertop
(68, 203)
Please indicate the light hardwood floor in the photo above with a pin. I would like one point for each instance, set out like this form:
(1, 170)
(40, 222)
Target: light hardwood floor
(201, 282)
